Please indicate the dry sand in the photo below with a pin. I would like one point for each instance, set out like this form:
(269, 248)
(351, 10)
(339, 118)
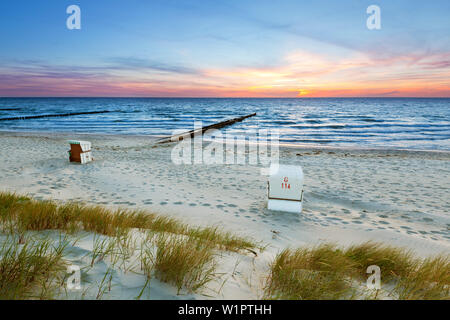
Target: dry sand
(396, 197)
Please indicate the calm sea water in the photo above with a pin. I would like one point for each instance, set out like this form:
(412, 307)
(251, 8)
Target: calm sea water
(354, 122)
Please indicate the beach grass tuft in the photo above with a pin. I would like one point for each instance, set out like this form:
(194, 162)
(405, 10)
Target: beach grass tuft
(429, 280)
(309, 274)
(395, 262)
(30, 270)
(186, 262)
(329, 272)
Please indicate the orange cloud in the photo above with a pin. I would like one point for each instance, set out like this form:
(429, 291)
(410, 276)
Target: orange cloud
(305, 74)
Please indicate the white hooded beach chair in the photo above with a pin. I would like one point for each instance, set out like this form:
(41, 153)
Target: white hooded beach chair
(285, 188)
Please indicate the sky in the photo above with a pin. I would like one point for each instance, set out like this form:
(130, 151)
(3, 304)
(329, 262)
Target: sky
(225, 48)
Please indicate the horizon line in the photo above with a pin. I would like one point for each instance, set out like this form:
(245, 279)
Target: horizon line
(212, 97)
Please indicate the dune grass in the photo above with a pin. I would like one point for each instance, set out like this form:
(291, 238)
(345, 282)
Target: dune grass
(329, 272)
(184, 254)
(183, 261)
(29, 214)
(394, 262)
(30, 270)
(428, 280)
(309, 274)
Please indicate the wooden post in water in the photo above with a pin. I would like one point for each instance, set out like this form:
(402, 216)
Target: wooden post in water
(203, 129)
(52, 115)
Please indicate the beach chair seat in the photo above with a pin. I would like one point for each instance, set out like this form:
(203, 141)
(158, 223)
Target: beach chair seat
(80, 151)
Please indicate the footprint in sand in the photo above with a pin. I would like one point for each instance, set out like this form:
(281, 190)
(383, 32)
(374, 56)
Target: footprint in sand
(334, 219)
(44, 191)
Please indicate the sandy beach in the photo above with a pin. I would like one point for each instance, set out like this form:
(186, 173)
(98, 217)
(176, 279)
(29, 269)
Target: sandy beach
(351, 195)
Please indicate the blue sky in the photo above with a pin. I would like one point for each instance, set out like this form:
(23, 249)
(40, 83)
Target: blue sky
(224, 48)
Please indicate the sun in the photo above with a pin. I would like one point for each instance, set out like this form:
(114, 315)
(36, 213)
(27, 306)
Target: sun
(303, 92)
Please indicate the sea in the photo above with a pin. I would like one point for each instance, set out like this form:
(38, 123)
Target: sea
(386, 123)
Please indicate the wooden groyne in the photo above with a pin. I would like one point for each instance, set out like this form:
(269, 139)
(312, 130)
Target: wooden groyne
(203, 129)
(9, 109)
(53, 115)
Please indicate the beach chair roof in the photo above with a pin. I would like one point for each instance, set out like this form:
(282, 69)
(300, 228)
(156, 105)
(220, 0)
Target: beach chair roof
(85, 145)
(78, 142)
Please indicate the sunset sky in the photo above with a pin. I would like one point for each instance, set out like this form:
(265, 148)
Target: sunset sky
(230, 48)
